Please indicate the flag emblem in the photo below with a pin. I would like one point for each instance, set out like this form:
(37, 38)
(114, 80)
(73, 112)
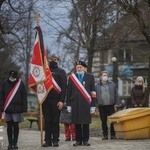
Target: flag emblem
(36, 71)
(40, 88)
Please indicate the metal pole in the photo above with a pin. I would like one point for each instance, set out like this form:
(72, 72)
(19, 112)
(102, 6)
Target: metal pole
(115, 73)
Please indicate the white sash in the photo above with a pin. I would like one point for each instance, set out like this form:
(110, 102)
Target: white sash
(10, 97)
(56, 86)
(81, 88)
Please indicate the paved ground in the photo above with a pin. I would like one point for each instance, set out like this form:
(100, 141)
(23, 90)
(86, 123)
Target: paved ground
(30, 140)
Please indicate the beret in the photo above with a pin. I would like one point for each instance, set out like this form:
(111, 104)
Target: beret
(13, 72)
(82, 63)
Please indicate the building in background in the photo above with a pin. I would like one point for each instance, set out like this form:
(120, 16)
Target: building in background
(133, 52)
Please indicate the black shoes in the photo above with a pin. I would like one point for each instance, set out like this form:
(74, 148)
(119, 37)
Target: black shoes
(10, 147)
(77, 144)
(68, 139)
(55, 144)
(113, 138)
(80, 144)
(15, 146)
(46, 144)
(86, 144)
(105, 138)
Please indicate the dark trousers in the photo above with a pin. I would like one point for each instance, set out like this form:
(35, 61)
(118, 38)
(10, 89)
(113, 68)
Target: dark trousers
(82, 132)
(12, 132)
(104, 112)
(51, 115)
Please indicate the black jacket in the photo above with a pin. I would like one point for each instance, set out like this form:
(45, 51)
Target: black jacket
(19, 101)
(80, 107)
(139, 96)
(61, 78)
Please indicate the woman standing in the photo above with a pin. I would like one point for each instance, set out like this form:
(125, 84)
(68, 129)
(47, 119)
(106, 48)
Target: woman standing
(13, 102)
(139, 93)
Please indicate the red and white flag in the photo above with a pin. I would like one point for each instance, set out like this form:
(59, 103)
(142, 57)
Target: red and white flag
(40, 78)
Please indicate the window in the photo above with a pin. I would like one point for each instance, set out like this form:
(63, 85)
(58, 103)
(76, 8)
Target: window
(126, 87)
(124, 55)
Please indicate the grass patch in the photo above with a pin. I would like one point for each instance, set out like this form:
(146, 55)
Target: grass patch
(26, 124)
(96, 123)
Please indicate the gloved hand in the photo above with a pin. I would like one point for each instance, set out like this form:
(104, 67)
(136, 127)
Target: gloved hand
(69, 109)
(92, 110)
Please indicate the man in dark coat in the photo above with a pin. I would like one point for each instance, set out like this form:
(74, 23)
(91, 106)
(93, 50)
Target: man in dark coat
(81, 101)
(53, 104)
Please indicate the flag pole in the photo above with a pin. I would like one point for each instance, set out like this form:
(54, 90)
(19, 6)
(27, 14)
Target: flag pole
(41, 124)
(37, 17)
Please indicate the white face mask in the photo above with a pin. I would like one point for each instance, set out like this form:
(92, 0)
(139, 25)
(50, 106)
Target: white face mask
(80, 73)
(105, 78)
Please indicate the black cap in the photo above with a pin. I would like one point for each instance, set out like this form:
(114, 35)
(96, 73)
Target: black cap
(54, 56)
(82, 63)
(13, 73)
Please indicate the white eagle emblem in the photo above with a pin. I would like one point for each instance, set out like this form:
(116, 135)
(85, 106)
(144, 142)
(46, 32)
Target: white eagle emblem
(36, 71)
(40, 88)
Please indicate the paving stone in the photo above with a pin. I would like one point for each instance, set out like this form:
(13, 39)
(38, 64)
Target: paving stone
(30, 139)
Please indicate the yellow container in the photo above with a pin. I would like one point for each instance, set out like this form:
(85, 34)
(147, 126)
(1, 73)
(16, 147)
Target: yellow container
(133, 123)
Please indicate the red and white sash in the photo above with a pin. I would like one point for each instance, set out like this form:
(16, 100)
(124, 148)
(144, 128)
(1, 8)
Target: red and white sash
(93, 94)
(81, 88)
(56, 86)
(10, 97)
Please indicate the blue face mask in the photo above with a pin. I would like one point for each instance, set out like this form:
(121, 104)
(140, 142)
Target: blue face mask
(105, 78)
(80, 73)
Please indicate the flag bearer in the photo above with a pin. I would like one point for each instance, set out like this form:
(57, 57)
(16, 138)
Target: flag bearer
(53, 104)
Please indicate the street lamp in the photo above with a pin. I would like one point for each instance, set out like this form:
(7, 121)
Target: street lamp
(115, 70)
(113, 59)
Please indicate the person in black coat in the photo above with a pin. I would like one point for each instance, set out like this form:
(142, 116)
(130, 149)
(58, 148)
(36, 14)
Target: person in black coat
(13, 102)
(139, 93)
(53, 104)
(81, 102)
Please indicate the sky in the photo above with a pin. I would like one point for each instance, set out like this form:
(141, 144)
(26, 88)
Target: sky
(53, 17)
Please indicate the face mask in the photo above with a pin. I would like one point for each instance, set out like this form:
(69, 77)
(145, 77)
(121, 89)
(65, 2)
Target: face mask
(53, 64)
(105, 78)
(80, 73)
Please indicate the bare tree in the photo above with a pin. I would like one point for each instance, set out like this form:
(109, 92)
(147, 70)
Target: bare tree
(140, 9)
(88, 20)
(136, 7)
(16, 28)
